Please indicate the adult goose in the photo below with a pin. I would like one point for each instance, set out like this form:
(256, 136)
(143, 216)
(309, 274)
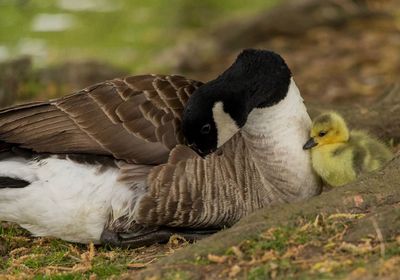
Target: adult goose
(112, 163)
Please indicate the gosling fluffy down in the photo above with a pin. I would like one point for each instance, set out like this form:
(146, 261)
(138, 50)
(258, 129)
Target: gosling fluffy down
(339, 156)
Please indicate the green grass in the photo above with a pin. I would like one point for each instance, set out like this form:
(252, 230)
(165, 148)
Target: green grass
(128, 36)
(47, 258)
(259, 273)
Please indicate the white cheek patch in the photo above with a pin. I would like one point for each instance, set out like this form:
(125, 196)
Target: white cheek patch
(226, 126)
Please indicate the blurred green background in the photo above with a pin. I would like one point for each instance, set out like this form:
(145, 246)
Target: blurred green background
(126, 33)
(50, 48)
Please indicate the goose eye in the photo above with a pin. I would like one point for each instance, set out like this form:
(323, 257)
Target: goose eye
(322, 133)
(205, 129)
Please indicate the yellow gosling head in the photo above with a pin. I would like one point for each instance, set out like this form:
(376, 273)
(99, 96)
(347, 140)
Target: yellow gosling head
(327, 128)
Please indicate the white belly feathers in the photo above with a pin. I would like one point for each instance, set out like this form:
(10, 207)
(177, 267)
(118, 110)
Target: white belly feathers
(65, 199)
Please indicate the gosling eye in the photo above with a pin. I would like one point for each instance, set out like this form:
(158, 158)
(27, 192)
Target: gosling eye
(205, 129)
(322, 133)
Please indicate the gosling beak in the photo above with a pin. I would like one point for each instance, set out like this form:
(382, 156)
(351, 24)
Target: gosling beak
(309, 144)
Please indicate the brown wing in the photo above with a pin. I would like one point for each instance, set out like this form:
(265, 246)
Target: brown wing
(136, 119)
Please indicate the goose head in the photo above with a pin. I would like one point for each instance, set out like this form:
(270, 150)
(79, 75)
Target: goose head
(327, 128)
(220, 108)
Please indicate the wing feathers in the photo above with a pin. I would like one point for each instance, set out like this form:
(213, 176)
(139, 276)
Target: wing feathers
(136, 119)
(127, 111)
(141, 82)
(36, 125)
(108, 100)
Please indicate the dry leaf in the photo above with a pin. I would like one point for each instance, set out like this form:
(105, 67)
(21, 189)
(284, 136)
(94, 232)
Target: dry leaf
(329, 265)
(269, 255)
(136, 265)
(235, 270)
(238, 253)
(82, 267)
(86, 260)
(58, 268)
(17, 251)
(92, 251)
(177, 240)
(73, 250)
(346, 216)
(268, 233)
(293, 251)
(358, 250)
(329, 245)
(216, 259)
(154, 277)
(318, 221)
(274, 273)
(305, 227)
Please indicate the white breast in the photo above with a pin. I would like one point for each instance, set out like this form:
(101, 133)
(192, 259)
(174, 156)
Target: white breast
(278, 134)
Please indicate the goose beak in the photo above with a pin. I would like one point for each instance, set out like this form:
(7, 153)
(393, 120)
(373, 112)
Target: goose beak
(194, 147)
(202, 153)
(309, 144)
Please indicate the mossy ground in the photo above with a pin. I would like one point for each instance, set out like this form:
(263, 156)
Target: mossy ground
(309, 249)
(23, 256)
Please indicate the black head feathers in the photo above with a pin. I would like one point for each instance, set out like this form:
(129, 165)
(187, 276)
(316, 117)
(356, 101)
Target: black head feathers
(257, 79)
(264, 75)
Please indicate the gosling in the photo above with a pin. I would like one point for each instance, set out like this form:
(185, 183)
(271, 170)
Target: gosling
(340, 156)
